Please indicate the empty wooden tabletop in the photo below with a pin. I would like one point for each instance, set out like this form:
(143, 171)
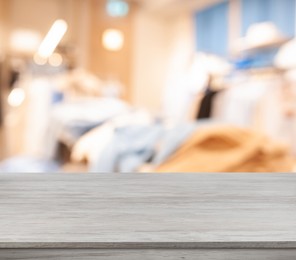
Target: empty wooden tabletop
(148, 211)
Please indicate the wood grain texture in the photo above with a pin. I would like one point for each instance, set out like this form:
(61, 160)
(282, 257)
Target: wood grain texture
(148, 211)
(200, 254)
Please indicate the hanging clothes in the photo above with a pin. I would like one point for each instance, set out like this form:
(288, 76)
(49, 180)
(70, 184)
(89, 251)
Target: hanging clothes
(259, 100)
(206, 104)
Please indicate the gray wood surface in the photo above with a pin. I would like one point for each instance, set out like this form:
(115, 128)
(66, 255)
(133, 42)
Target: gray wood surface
(147, 211)
(198, 254)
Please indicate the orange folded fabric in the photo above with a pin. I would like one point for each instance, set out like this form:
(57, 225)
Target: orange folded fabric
(229, 149)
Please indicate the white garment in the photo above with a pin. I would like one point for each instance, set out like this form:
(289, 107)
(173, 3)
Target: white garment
(237, 105)
(39, 98)
(86, 111)
(90, 146)
(256, 104)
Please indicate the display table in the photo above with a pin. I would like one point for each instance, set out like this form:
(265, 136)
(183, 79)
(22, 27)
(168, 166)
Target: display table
(147, 216)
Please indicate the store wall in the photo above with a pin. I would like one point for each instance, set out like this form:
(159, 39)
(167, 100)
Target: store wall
(163, 46)
(1, 28)
(181, 51)
(211, 25)
(150, 56)
(87, 20)
(110, 65)
(33, 14)
(156, 45)
(39, 15)
(3, 22)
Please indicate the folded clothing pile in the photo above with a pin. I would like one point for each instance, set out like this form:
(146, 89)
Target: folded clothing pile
(228, 149)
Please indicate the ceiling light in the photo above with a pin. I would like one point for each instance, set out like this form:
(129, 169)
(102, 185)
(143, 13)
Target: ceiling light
(52, 39)
(117, 8)
(24, 41)
(16, 97)
(39, 60)
(55, 60)
(113, 40)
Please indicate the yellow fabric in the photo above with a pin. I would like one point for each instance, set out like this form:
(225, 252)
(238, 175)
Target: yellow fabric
(229, 149)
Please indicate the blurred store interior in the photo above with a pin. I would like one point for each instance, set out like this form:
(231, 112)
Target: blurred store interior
(98, 86)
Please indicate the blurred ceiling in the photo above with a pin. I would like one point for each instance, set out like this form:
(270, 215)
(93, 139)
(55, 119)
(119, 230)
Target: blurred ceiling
(174, 6)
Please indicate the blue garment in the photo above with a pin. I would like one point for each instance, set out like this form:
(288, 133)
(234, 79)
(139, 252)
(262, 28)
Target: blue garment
(174, 138)
(28, 164)
(76, 129)
(72, 119)
(133, 146)
(130, 148)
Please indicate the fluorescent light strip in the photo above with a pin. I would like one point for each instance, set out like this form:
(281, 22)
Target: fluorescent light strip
(52, 39)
